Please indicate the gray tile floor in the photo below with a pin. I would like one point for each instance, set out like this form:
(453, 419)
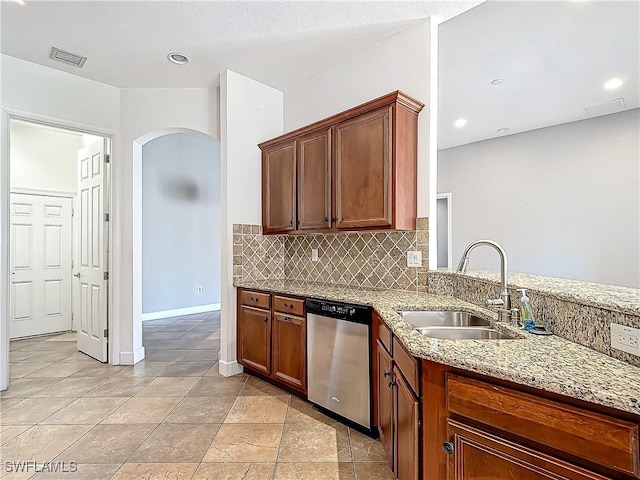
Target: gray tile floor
(171, 416)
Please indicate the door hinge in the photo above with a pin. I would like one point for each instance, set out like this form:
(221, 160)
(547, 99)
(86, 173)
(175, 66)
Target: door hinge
(73, 211)
(106, 333)
(71, 264)
(106, 217)
(107, 158)
(106, 275)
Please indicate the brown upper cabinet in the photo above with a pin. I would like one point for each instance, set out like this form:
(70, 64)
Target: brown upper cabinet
(354, 170)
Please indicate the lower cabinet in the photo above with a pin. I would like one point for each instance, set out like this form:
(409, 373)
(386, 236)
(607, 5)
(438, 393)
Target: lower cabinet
(476, 454)
(385, 401)
(398, 417)
(407, 421)
(272, 341)
(289, 350)
(254, 338)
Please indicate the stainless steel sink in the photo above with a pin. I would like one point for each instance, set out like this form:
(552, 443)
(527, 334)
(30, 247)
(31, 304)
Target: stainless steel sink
(452, 325)
(426, 318)
(464, 333)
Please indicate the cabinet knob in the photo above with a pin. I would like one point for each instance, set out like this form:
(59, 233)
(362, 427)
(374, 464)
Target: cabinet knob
(335, 219)
(447, 447)
(290, 222)
(326, 219)
(266, 319)
(391, 383)
(386, 374)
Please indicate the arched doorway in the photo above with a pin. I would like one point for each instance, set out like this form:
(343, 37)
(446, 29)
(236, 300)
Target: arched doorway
(176, 181)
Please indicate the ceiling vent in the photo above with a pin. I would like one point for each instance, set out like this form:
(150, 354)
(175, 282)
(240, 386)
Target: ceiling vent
(612, 106)
(67, 57)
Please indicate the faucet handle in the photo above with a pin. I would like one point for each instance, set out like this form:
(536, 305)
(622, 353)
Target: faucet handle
(515, 316)
(497, 302)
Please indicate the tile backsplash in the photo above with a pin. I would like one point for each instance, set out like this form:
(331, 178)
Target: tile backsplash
(364, 259)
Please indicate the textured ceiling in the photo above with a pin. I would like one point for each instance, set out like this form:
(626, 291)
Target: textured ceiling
(279, 43)
(554, 58)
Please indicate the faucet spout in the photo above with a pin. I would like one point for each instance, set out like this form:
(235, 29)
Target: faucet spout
(505, 300)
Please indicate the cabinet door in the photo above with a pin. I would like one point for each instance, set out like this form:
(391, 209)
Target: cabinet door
(289, 350)
(385, 401)
(314, 181)
(279, 188)
(362, 156)
(407, 435)
(254, 339)
(480, 455)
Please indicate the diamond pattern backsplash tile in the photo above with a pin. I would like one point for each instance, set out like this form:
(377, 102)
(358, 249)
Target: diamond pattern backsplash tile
(365, 259)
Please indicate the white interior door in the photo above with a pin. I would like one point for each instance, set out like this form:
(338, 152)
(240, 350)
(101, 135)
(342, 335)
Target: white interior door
(90, 299)
(40, 265)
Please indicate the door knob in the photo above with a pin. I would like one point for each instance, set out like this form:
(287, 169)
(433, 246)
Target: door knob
(77, 274)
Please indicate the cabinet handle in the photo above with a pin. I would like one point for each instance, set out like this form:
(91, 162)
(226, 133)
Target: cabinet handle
(391, 383)
(253, 300)
(386, 374)
(326, 219)
(290, 222)
(266, 319)
(287, 305)
(335, 219)
(447, 447)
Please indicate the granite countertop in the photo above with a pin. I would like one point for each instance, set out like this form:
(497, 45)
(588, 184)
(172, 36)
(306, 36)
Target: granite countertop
(623, 299)
(547, 363)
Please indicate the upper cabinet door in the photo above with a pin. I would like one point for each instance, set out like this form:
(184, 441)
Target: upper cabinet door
(279, 188)
(314, 181)
(363, 171)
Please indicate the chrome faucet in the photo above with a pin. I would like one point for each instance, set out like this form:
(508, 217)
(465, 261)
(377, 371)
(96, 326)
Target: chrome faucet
(502, 304)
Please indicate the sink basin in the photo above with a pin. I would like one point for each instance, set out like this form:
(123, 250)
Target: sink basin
(427, 318)
(464, 333)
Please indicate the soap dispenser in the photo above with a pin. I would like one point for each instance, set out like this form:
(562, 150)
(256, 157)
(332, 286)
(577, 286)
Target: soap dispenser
(525, 311)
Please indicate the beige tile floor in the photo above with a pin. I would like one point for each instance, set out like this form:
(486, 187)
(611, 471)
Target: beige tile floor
(171, 416)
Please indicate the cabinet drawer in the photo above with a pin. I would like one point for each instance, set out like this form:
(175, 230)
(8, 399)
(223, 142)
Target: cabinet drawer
(292, 306)
(408, 365)
(384, 334)
(592, 436)
(255, 299)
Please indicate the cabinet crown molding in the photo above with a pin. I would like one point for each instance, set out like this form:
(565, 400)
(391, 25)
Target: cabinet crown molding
(399, 97)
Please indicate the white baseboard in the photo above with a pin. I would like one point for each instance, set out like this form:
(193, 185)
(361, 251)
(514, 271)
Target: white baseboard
(179, 312)
(131, 358)
(229, 369)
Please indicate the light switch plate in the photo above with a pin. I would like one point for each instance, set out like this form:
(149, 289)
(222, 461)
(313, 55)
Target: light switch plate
(625, 338)
(414, 258)
(314, 254)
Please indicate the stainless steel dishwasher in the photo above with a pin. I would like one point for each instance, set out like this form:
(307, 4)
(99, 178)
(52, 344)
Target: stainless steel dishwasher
(339, 360)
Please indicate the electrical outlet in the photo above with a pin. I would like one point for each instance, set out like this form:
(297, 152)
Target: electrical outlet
(414, 258)
(625, 338)
(314, 254)
(199, 289)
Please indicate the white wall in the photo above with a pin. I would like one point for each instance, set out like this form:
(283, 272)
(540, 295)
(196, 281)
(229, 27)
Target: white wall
(41, 93)
(180, 222)
(563, 201)
(401, 62)
(37, 89)
(44, 158)
(147, 113)
(250, 112)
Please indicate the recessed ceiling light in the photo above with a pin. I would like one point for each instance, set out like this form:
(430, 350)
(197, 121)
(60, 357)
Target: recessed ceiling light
(613, 84)
(502, 130)
(178, 58)
(461, 122)
(497, 81)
